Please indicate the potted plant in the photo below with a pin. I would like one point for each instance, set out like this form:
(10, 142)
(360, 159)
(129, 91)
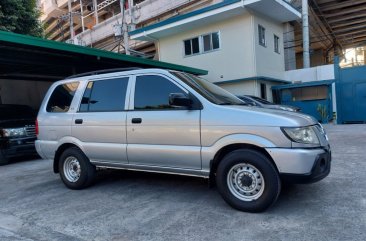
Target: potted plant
(322, 110)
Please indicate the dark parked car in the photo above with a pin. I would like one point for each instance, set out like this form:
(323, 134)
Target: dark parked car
(17, 131)
(259, 102)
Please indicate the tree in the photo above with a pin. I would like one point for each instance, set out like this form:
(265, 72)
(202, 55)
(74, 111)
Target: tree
(20, 16)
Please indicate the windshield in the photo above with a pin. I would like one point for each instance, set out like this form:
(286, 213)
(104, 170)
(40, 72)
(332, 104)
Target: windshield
(263, 101)
(208, 90)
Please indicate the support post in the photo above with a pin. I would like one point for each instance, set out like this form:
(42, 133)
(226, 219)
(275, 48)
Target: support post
(125, 28)
(72, 34)
(81, 15)
(131, 8)
(95, 5)
(305, 34)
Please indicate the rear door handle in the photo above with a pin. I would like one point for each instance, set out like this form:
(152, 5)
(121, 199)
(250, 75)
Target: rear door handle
(79, 121)
(136, 120)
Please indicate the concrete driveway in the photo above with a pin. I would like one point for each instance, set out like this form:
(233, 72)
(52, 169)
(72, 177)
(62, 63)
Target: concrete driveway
(35, 205)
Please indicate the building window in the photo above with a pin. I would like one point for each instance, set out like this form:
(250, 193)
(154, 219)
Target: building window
(191, 46)
(262, 35)
(202, 44)
(211, 41)
(276, 44)
(263, 91)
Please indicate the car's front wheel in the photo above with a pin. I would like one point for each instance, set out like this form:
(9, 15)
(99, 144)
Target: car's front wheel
(76, 171)
(248, 181)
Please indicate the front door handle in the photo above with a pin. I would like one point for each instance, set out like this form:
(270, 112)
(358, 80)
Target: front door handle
(79, 121)
(136, 120)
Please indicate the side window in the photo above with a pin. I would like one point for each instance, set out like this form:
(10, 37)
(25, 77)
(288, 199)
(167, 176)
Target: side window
(152, 93)
(262, 35)
(61, 97)
(104, 95)
(276, 44)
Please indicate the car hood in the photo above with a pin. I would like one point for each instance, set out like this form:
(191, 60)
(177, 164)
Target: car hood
(16, 123)
(279, 107)
(247, 115)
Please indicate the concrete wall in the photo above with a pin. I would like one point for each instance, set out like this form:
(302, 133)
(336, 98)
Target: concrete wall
(249, 87)
(242, 88)
(23, 92)
(240, 55)
(324, 72)
(268, 62)
(235, 58)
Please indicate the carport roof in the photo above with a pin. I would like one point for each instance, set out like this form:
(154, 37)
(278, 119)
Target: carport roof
(28, 58)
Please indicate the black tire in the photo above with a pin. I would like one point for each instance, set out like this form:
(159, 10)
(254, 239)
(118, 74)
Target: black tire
(86, 169)
(267, 191)
(3, 159)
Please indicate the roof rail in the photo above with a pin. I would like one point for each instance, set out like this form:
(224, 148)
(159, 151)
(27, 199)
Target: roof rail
(103, 71)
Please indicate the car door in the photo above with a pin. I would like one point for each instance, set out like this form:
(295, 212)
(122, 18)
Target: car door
(159, 134)
(100, 122)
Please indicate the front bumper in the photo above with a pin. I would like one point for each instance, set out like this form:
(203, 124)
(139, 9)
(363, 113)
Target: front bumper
(302, 165)
(18, 147)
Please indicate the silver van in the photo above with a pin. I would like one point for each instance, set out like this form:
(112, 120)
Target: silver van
(173, 122)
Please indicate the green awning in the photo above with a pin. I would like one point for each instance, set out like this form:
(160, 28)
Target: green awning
(28, 58)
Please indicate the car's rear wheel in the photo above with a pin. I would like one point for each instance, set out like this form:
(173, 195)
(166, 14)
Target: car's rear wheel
(76, 171)
(3, 159)
(248, 181)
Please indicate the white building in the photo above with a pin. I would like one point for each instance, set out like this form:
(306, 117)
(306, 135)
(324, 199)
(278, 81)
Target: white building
(239, 42)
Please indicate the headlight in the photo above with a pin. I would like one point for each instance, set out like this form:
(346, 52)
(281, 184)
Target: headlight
(11, 132)
(304, 135)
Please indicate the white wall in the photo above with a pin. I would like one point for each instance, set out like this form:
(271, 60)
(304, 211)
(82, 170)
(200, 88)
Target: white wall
(240, 56)
(242, 88)
(324, 72)
(234, 60)
(23, 92)
(268, 62)
(249, 87)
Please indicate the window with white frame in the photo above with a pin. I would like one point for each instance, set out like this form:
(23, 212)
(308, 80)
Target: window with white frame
(211, 41)
(202, 44)
(191, 46)
(262, 35)
(276, 44)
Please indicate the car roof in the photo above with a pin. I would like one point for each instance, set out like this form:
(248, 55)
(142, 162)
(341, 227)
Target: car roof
(113, 74)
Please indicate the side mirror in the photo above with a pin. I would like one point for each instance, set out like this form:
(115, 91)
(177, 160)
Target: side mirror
(179, 99)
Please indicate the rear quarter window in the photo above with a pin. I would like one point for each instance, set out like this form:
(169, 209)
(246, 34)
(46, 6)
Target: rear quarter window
(61, 97)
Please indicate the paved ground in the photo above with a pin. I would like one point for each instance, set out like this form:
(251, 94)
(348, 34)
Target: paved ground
(35, 205)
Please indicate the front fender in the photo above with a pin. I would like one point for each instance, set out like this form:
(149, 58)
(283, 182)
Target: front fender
(208, 153)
